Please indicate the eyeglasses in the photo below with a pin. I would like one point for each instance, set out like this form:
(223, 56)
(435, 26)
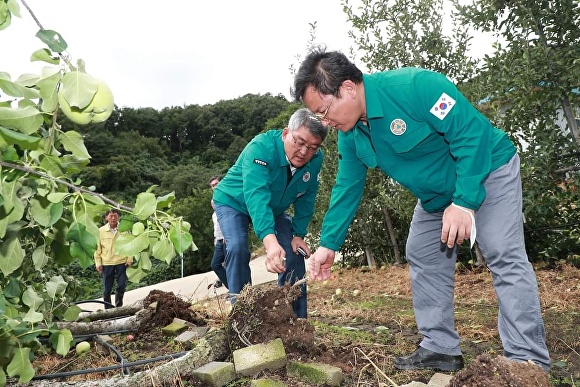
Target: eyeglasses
(300, 144)
(322, 116)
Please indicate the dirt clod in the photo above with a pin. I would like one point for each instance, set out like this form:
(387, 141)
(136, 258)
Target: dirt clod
(263, 314)
(498, 371)
(169, 306)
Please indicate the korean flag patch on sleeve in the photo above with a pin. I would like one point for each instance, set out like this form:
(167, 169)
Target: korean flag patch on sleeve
(443, 106)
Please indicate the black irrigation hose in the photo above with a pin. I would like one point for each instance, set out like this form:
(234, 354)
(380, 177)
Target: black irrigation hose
(94, 301)
(120, 357)
(110, 368)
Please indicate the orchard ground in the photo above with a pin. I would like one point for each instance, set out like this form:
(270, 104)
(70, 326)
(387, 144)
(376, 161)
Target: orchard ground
(361, 332)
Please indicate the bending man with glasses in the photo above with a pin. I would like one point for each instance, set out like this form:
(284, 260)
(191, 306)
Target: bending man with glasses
(276, 170)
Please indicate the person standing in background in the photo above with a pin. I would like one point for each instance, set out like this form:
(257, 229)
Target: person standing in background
(219, 253)
(111, 266)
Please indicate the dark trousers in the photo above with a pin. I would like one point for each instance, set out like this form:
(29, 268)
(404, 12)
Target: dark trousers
(218, 260)
(110, 272)
(235, 227)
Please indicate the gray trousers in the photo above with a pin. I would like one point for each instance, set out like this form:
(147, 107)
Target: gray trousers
(501, 238)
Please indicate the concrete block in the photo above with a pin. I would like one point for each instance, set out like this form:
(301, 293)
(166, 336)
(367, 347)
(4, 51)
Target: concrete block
(186, 336)
(216, 373)
(315, 373)
(180, 321)
(414, 384)
(173, 329)
(439, 380)
(255, 358)
(267, 383)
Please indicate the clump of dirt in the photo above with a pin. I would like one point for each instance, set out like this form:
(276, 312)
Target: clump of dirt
(169, 306)
(260, 315)
(486, 371)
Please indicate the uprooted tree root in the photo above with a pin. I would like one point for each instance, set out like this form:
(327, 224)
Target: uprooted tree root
(169, 306)
(260, 315)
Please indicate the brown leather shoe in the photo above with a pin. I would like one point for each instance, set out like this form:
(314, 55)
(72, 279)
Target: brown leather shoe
(424, 359)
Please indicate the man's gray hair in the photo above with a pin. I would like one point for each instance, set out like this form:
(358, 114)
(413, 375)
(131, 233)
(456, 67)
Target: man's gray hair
(305, 118)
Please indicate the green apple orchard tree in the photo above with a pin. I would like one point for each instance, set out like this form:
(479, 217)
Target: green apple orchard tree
(48, 221)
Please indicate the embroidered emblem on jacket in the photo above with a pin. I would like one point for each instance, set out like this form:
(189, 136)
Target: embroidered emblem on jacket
(306, 177)
(261, 162)
(398, 127)
(443, 106)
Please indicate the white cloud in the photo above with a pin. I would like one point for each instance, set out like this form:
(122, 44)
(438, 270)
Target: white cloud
(178, 52)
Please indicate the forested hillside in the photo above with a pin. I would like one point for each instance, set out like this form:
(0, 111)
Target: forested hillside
(176, 150)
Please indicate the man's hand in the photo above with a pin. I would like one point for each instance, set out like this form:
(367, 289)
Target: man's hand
(320, 263)
(298, 242)
(275, 254)
(456, 225)
(100, 269)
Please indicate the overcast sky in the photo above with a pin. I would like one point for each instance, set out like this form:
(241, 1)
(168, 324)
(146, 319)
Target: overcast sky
(179, 52)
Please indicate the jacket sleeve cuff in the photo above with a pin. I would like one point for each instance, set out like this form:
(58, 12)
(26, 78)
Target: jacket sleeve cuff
(465, 204)
(330, 245)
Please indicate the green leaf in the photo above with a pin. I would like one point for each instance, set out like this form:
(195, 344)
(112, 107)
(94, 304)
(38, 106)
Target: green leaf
(39, 258)
(57, 197)
(32, 299)
(56, 286)
(11, 256)
(20, 365)
(15, 90)
(12, 203)
(51, 164)
(77, 251)
(145, 206)
(53, 40)
(165, 200)
(27, 119)
(48, 86)
(33, 316)
(61, 341)
(125, 224)
(78, 89)
(5, 16)
(44, 55)
(135, 274)
(163, 250)
(45, 212)
(14, 7)
(22, 140)
(13, 288)
(73, 164)
(72, 313)
(181, 239)
(83, 244)
(129, 245)
(73, 142)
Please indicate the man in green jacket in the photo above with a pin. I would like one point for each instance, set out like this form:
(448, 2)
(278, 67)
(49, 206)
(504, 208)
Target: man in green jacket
(416, 127)
(111, 266)
(276, 170)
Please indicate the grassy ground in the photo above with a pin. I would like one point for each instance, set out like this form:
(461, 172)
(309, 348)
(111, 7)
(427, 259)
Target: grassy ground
(372, 321)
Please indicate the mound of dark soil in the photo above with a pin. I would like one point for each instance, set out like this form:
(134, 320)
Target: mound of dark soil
(486, 371)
